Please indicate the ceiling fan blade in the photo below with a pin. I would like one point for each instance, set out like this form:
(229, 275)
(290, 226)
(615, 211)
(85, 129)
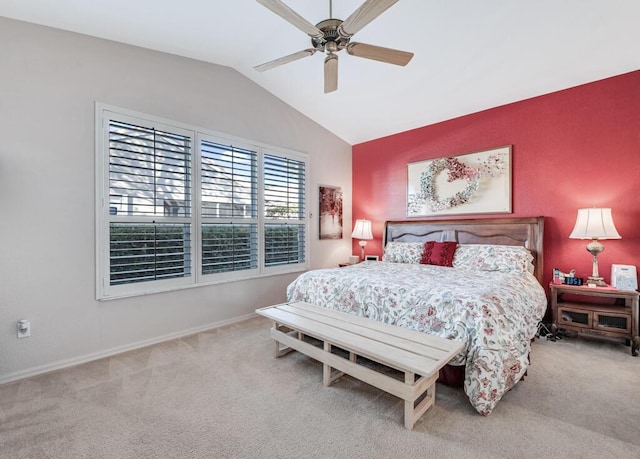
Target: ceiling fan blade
(366, 13)
(330, 73)
(285, 60)
(292, 17)
(378, 53)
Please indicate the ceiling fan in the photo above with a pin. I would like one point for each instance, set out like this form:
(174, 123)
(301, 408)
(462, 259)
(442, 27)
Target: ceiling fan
(333, 35)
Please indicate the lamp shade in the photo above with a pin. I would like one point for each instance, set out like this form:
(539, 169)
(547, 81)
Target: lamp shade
(594, 223)
(362, 230)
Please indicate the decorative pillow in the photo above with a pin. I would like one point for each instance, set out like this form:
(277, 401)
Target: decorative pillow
(403, 252)
(438, 253)
(504, 258)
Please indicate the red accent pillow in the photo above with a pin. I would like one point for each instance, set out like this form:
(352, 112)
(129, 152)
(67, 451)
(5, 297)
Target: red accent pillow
(439, 253)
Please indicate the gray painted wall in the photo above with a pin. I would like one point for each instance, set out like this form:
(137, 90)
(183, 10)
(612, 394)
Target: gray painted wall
(49, 83)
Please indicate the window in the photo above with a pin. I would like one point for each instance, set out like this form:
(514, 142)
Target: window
(179, 207)
(149, 203)
(229, 206)
(284, 232)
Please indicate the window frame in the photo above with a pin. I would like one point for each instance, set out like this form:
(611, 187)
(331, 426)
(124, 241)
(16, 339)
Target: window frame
(104, 290)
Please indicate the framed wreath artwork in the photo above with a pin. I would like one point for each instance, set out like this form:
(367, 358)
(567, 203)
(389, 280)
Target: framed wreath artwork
(474, 183)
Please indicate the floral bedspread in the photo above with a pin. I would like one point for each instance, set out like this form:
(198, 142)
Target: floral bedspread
(494, 314)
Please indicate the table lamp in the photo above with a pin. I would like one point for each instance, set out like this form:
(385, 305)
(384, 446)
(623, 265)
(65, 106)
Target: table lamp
(595, 224)
(362, 231)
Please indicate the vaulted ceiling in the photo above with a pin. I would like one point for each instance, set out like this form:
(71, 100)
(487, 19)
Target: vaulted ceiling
(470, 55)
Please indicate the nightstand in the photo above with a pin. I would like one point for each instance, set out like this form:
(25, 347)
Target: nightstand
(601, 311)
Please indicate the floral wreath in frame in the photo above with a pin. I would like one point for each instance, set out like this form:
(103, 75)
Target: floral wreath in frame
(492, 166)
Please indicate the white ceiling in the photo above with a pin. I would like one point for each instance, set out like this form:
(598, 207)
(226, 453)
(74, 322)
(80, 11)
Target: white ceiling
(470, 55)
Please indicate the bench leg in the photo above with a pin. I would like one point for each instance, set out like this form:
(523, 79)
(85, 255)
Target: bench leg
(422, 386)
(328, 375)
(277, 350)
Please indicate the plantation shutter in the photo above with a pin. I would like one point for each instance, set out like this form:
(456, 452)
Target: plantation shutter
(149, 203)
(178, 206)
(229, 196)
(284, 207)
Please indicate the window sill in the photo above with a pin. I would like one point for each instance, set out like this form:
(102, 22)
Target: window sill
(206, 283)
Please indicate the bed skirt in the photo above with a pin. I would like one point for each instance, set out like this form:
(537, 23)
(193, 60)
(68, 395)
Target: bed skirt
(452, 375)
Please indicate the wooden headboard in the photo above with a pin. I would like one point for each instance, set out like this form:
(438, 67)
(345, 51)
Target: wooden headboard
(527, 232)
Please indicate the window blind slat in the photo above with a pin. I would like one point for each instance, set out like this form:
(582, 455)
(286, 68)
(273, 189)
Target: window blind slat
(284, 244)
(141, 252)
(149, 171)
(229, 247)
(284, 188)
(229, 181)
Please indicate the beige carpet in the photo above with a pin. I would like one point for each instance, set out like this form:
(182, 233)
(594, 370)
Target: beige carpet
(220, 394)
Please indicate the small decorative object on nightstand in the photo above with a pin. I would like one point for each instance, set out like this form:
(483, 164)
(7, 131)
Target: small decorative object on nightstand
(624, 277)
(601, 311)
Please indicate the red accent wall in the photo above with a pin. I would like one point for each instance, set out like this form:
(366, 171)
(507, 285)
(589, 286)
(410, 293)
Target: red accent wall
(574, 148)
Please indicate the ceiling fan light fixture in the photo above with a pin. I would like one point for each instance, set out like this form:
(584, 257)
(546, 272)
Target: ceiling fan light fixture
(330, 73)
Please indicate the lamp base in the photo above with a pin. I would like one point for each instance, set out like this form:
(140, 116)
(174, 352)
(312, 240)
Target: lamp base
(594, 248)
(362, 244)
(599, 281)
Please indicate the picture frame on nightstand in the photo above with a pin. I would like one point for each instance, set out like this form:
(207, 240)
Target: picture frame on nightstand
(623, 277)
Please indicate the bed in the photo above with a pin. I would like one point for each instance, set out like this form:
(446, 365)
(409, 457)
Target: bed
(487, 294)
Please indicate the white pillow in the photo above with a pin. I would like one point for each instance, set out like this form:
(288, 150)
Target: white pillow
(485, 257)
(403, 252)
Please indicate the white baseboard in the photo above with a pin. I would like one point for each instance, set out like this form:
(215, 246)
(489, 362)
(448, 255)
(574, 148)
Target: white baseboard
(60, 364)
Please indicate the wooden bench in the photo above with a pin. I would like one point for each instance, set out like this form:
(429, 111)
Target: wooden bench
(418, 355)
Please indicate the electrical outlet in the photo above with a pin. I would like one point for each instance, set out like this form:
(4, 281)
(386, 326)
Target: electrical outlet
(24, 328)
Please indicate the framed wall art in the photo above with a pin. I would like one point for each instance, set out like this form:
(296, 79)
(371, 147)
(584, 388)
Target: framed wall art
(330, 212)
(474, 183)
